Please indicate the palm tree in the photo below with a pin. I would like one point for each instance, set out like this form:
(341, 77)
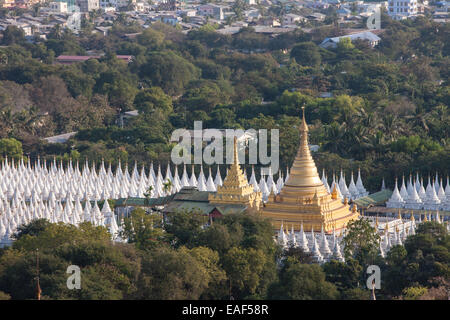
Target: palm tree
(419, 118)
(167, 186)
(6, 122)
(389, 124)
(57, 32)
(148, 195)
(376, 143)
(334, 135)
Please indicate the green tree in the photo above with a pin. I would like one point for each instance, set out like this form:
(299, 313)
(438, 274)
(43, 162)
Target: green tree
(169, 71)
(215, 275)
(361, 242)
(344, 276)
(345, 44)
(185, 226)
(148, 100)
(143, 229)
(302, 282)
(306, 54)
(245, 270)
(168, 274)
(13, 35)
(413, 293)
(151, 39)
(34, 228)
(11, 147)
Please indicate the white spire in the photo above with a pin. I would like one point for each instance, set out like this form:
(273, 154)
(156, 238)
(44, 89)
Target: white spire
(303, 240)
(343, 186)
(396, 200)
(359, 185)
(218, 179)
(324, 247)
(354, 193)
(253, 181)
(210, 186)
(403, 191)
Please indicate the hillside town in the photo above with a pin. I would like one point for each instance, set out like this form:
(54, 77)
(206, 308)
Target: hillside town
(37, 18)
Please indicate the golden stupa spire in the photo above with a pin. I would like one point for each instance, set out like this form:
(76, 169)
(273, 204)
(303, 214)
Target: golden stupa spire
(303, 150)
(235, 176)
(334, 193)
(303, 174)
(235, 188)
(235, 151)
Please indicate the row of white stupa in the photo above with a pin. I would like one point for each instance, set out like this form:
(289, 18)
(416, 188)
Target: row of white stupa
(325, 247)
(413, 195)
(38, 181)
(58, 194)
(17, 212)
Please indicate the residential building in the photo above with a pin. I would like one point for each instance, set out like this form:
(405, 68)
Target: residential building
(401, 9)
(211, 10)
(108, 3)
(291, 18)
(373, 39)
(88, 5)
(168, 19)
(74, 59)
(58, 7)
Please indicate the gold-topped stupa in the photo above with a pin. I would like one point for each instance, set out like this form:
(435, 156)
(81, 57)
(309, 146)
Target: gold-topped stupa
(304, 199)
(235, 188)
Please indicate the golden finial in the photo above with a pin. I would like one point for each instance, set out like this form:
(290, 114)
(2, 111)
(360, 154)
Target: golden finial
(376, 221)
(399, 215)
(334, 193)
(236, 158)
(412, 216)
(425, 219)
(303, 126)
(354, 208)
(346, 201)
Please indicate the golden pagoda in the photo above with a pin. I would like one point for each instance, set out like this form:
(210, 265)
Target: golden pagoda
(304, 199)
(235, 188)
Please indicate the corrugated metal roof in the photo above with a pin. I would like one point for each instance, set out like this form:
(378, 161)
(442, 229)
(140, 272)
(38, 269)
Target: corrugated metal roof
(188, 198)
(374, 199)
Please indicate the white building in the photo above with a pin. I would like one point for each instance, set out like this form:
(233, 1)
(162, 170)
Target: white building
(368, 36)
(108, 4)
(291, 18)
(88, 5)
(58, 7)
(401, 9)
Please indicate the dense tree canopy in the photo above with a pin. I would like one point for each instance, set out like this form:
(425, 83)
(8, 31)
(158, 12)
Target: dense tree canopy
(383, 109)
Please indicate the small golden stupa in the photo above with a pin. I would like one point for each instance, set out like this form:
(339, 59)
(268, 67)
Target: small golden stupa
(235, 188)
(304, 199)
